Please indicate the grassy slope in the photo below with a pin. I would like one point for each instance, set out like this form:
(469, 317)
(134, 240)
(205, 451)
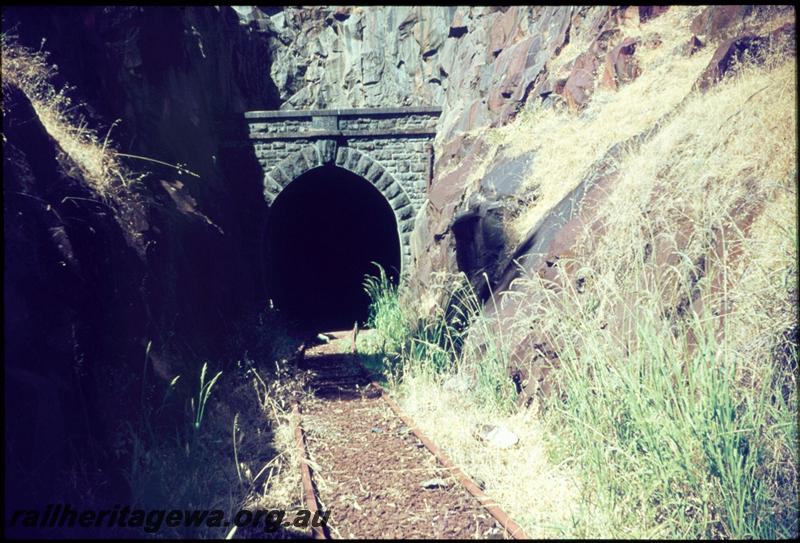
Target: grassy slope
(95, 160)
(673, 423)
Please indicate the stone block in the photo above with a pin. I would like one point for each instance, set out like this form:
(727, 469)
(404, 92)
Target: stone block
(280, 176)
(341, 156)
(406, 225)
(374, 170)
(392, 191)
(270, 195)
(352, 161)
(327, 151)
(270, 184)
(311, 155)
(383, 180)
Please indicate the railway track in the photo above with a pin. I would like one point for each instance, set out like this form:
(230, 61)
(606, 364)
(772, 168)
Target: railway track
(376, 473)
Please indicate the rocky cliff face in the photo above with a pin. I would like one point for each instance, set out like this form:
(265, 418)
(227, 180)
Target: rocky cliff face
(583, 53)
(71, 285)
(89, 286)
(159, 81)
(479, 63)
(482, 65)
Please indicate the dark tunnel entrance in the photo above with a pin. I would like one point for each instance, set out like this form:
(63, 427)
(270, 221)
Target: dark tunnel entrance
(324, 231)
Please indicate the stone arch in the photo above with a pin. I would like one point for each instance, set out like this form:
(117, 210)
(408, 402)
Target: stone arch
(326, 152)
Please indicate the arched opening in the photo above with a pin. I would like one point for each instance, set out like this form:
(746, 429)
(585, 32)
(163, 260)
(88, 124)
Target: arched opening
(324, 231)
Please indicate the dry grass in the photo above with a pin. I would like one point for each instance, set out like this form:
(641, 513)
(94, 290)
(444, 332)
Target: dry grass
(767, 264)
(566, 145)
(560, 65)
(282, 485)
(683, 198)
(93, 156)
(726, 153)
(539, 495)
(677, 356)
(450, 390)
(242, 455)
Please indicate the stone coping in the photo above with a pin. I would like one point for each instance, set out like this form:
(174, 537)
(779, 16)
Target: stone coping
(284, 114)
(353, 134)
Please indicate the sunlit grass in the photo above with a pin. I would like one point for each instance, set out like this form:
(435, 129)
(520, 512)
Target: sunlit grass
(674, 335)
(94, 157)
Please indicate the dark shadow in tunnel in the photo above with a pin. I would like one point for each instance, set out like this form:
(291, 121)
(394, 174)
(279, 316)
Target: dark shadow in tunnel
(324, 231)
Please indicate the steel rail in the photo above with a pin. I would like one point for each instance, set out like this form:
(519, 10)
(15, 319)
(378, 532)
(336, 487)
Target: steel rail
(310, 494)
(512, 528)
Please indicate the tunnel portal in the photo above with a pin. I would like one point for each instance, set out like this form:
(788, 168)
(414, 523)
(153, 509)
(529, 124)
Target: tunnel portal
(324, 231)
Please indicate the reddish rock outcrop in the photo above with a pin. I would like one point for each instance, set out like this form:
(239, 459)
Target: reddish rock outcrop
(650, 12)
(692, 46)
(504, 32)
(734, 50)
(579, 85)
(620, 64)
(720, 22)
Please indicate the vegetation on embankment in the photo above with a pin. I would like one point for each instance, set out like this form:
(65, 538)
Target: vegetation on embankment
(219, 440)
(93, 156)
(94, 419)
(670, 337)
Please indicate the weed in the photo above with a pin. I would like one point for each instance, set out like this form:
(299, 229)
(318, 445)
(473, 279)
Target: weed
(167, 463)
(203, 394)
(385, 312)
(438, 346)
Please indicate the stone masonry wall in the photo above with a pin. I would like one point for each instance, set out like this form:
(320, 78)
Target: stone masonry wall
(391, 148)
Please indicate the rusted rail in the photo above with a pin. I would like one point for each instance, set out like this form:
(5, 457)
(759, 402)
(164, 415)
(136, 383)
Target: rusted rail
(319, 532)
(512, 528)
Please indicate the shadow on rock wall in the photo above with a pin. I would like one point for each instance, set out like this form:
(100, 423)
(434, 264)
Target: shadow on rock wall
(86, 286)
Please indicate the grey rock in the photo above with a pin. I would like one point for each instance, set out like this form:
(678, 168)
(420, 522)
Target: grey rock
(433, 484)
(457, 383)
(498, 437)
(506, 176)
